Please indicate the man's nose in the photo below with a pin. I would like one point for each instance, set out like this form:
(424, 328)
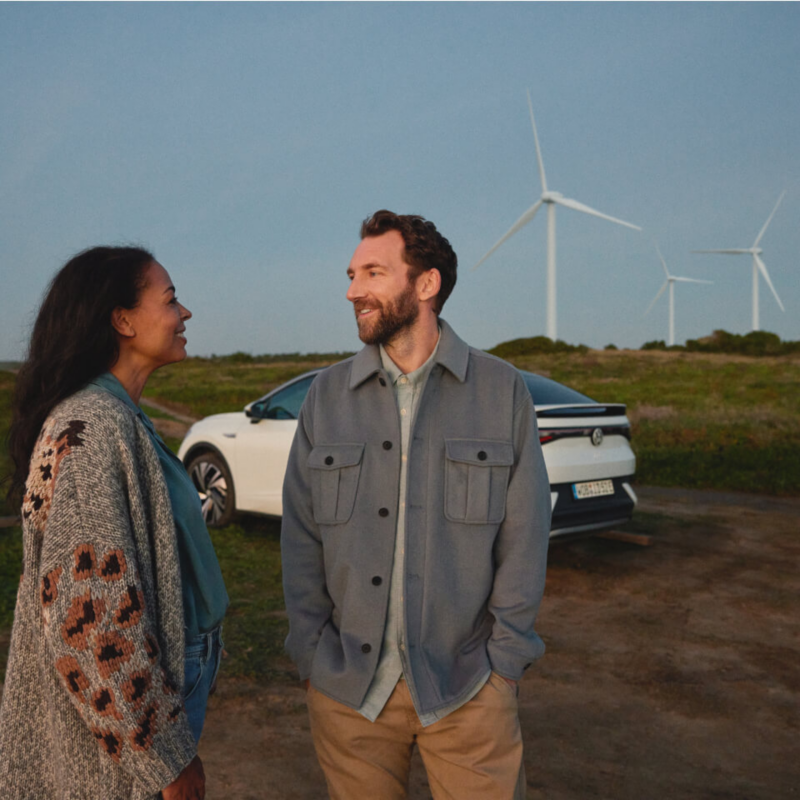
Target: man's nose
(354, 291)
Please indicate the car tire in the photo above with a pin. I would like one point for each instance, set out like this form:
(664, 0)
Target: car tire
(214, 483)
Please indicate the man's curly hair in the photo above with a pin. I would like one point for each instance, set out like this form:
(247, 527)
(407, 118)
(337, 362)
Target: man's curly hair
(425, 247)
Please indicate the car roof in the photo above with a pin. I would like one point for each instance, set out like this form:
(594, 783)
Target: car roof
(547, 392)
(544, 391)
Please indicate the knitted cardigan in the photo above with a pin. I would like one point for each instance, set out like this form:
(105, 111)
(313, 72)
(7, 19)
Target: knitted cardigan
(92, 702)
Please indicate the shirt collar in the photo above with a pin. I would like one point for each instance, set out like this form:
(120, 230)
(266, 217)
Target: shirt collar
(108, 382)
(451, 352)
(394, 372)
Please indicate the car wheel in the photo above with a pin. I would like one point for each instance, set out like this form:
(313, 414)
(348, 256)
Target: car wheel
(214, 484)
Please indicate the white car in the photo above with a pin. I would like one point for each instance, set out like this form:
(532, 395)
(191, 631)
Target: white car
(237, 461)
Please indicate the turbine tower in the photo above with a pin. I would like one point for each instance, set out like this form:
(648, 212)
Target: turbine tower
(758, 264)
(551, 199)
(670, 281)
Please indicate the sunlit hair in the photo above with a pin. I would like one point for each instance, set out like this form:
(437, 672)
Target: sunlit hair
(72, 341)
(425, 247)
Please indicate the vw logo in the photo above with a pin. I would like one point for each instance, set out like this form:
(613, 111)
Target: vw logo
(597, 437)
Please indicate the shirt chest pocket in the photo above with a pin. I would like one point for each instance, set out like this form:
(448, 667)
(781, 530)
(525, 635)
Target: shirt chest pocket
(476, 479)
(335, 470)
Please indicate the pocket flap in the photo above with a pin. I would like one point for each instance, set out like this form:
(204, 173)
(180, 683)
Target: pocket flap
(481, 452)
(335, 456)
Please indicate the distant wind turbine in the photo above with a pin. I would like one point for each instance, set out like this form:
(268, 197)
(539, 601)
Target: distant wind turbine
(670, 281)
(551, 199)
(758, 264)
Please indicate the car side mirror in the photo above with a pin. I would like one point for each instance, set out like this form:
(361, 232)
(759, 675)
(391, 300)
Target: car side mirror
(255, 412)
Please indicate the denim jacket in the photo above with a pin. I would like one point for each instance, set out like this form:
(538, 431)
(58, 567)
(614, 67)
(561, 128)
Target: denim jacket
(477, 526)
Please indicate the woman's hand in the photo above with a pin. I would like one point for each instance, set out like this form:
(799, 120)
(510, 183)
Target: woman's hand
(189, 785)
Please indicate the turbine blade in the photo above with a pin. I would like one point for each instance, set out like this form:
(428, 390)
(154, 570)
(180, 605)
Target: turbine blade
(664, 263)
(769, 219)
(576, 206)
(691, 280)
(762, 268)
(727, 252)
(538, 149)
(655, 299)
(520, 223)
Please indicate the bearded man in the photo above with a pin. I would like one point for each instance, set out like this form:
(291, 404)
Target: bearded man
(414, 540)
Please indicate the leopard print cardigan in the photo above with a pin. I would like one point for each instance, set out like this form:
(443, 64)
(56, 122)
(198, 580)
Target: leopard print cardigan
(92, 700)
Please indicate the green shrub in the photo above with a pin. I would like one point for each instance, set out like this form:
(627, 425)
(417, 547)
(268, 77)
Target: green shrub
(755, 343)
(534, 345)
(656, 344)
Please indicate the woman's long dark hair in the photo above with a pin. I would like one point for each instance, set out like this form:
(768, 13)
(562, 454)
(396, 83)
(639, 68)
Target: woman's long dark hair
(72, 342)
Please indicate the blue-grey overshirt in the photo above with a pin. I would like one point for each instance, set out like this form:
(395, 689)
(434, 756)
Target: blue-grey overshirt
(476, 530)
(205, 599)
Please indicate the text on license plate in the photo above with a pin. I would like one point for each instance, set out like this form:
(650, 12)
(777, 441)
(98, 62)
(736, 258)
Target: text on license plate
(592, 489)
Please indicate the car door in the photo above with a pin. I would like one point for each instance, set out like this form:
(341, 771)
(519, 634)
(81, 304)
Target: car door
(262, 449)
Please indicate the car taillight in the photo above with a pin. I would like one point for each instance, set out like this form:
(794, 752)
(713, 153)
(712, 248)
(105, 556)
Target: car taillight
(551, 434)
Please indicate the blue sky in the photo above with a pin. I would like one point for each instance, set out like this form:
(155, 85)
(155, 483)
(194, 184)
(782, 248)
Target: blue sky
(244, 143)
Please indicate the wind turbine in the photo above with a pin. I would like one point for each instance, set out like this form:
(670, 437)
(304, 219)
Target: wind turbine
(551, 199)
(758, 264)
(670, 281)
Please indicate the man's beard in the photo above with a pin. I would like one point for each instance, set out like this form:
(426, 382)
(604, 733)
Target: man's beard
(392, 318)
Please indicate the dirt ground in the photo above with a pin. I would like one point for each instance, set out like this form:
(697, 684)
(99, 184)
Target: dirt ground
(672, 671)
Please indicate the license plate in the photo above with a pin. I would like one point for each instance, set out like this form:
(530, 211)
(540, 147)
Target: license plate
(592, 489)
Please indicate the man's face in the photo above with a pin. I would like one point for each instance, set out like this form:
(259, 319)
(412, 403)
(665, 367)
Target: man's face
(384, 299)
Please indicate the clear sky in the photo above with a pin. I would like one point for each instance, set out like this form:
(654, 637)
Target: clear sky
(244, 143)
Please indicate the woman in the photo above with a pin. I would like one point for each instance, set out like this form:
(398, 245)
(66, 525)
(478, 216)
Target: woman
(116, 636)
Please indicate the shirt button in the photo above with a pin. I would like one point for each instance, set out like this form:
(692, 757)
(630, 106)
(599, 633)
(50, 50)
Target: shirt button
(402, 647)
(377, 580)
(387, 445)
(482, 455)
(405, 458)
(366, 648)
(329, 460)
(402, 412)
(384, 512)
(403, 380)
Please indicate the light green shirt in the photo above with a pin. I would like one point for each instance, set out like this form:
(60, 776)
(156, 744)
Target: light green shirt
(408, 390)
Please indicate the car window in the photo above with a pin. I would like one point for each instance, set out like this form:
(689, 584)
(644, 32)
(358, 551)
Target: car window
(546, 392)
(286, 403)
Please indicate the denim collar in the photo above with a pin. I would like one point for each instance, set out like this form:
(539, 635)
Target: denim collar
(108, 382)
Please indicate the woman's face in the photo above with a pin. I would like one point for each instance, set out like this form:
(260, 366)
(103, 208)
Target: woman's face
(157, 321)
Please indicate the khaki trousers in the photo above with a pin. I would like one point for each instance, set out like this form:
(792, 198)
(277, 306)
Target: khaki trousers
(475, 753)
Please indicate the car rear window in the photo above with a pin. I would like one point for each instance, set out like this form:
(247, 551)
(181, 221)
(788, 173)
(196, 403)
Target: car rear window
(551, 393)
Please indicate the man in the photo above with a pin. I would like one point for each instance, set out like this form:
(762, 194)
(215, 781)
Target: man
(414, 541)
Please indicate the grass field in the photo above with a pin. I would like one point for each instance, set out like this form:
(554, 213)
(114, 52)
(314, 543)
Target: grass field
(699, 421)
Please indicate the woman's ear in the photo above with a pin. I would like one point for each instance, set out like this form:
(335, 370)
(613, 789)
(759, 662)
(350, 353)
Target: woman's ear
(121, 322)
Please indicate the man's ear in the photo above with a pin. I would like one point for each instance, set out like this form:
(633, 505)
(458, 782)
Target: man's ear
(121, 322)
(428, 284)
